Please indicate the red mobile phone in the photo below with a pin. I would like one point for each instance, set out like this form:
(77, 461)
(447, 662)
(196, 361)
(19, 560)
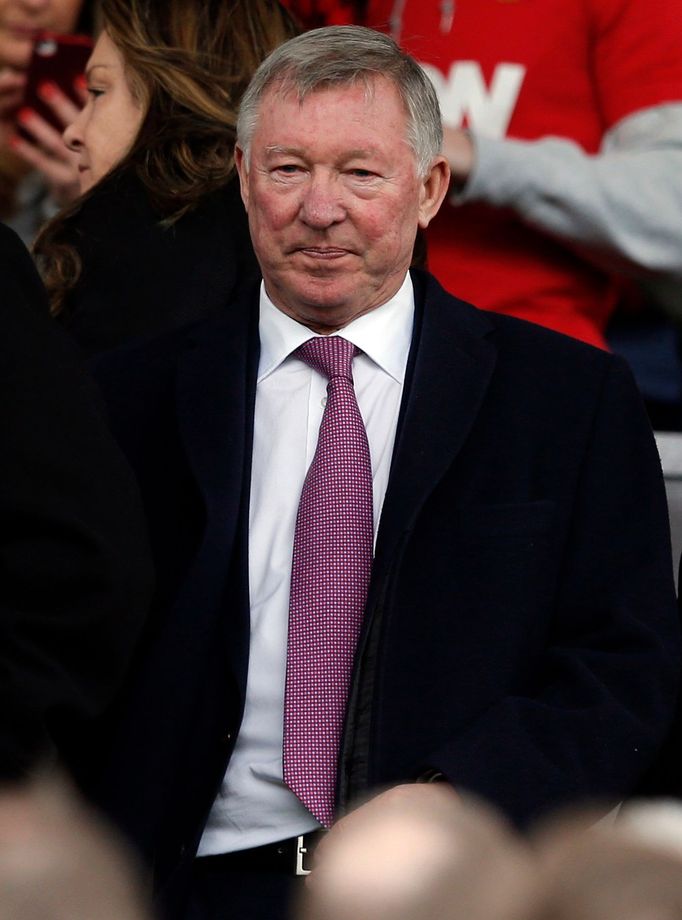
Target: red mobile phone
(59, 59)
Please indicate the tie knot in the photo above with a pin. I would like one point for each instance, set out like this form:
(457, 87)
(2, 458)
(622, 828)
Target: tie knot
(330, 355)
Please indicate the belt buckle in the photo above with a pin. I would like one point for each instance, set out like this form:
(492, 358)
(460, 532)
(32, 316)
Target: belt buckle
(301, 850)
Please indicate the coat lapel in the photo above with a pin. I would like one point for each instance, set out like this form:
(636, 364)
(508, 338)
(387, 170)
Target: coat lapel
(449, 369)
(450, 366)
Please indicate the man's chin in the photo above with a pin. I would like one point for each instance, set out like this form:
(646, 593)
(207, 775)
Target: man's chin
(320, 307)
(320, 292)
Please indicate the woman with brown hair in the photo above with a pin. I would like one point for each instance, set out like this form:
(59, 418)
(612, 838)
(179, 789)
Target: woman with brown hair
(159, 235)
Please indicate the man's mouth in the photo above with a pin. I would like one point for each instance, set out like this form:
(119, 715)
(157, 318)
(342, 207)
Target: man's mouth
(323, 252)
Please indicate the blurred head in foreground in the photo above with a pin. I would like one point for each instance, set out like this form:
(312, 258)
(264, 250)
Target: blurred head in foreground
(450, 859)
(57, 862)
(624, 869)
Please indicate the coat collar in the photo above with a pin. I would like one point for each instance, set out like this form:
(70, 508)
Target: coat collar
(451, 362)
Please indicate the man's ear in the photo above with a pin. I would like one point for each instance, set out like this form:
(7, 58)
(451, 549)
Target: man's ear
(434, 189)
(240, 161)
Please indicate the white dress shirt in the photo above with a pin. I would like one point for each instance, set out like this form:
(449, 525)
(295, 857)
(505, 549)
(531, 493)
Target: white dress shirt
(254, 806)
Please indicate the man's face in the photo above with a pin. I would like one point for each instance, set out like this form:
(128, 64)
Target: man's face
(334, 200)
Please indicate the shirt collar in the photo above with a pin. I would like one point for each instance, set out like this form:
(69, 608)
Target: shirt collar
(384, 334)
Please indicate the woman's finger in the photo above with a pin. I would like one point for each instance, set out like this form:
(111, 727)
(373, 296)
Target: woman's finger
(44, 134)
(64, 108)
(61, 175)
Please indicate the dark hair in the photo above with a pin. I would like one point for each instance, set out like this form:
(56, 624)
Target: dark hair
(87, 18)
(188, 62)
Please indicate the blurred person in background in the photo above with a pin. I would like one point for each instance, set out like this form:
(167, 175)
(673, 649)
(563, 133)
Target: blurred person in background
(59, 861)
(312, 14)
(563, 129)
(38, 173)
(159, 236)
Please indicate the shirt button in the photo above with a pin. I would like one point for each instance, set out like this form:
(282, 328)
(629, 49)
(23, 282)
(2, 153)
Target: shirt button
(323, 402)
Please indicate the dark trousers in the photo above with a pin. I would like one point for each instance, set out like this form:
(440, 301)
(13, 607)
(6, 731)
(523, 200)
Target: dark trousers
(218, 892)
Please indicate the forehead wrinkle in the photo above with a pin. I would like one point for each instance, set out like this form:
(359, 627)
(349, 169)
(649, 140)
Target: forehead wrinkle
(285, 150)
(284, 90)
(282, 149)
(287, 86)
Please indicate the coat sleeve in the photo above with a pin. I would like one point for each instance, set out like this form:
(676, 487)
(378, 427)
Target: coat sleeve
(587, 201)
(618, 207)
(75, 572)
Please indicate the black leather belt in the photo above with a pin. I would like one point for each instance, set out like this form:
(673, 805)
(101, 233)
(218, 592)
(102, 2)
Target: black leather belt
(291, 856)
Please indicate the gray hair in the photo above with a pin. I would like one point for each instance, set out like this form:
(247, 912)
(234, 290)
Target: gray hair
(340, 56)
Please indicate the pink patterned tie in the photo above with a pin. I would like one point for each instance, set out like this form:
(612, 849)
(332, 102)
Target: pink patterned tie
(331, 566)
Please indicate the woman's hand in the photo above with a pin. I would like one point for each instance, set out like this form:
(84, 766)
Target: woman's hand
(43, 148)
(12, 83)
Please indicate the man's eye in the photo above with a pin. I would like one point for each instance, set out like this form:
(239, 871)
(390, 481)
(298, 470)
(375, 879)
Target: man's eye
(95, 92)
(288, 168)
(362, 173)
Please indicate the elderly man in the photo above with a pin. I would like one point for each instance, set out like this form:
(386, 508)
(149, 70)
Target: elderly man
(398, 540)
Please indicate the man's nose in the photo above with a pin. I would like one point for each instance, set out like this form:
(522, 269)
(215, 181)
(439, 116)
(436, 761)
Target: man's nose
(322, 203)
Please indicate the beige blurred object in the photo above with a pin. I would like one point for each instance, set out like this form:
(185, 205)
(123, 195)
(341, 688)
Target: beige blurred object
(624, 870)
(420, 853)
(58, 862)
(653, 822)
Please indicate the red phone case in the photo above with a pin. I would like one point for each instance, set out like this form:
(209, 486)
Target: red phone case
(59, 59)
